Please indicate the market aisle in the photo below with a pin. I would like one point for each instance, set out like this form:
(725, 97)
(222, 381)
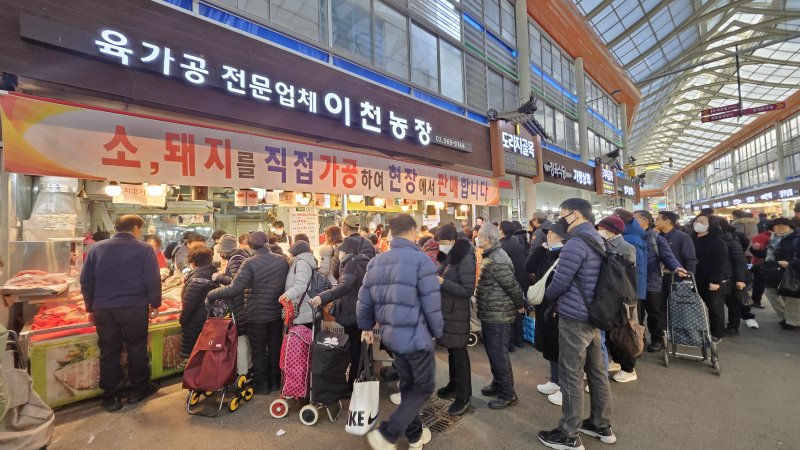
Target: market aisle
(754, 404)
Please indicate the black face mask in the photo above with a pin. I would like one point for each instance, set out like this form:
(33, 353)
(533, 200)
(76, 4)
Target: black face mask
(562, 222)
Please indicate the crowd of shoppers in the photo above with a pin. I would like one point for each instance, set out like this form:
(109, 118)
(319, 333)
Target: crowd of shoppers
(416, 291)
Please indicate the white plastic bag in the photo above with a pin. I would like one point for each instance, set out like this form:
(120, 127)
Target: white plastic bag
(365, 402)
(536, 292)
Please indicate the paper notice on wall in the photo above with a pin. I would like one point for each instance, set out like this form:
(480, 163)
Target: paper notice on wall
(431, 221)
(305, 220)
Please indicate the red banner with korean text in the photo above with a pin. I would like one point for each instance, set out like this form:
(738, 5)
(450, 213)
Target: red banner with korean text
(46, 137)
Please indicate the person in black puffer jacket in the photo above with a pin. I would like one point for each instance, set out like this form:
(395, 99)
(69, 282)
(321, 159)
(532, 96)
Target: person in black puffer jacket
(499, 300)
(193, 296)
(229, 251)
(737, 272)
(518, 254)
(539, 262)
(457, 277)
(262, 279)
(358, 251)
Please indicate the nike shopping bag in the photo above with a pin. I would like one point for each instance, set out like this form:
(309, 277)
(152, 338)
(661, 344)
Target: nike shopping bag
(365, 402)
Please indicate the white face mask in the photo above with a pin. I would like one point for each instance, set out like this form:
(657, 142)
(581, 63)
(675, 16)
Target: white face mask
(279, 232)
(445, 248)
(477, 242)
(700, 227)
(605, 234)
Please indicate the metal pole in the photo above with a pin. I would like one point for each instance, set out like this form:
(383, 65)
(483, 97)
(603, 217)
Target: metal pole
(738, 81)
(344, 206)
(523, 49)
(583, 125)
(519, 200)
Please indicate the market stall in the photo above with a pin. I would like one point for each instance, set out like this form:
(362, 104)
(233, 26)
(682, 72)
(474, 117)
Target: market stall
(179, 177)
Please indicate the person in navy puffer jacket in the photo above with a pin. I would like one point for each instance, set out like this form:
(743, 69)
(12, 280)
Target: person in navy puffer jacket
(578, 341)
(401, 292)
(636, 236)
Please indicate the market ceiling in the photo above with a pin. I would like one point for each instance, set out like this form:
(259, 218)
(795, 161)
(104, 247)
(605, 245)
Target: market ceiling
(681, 55)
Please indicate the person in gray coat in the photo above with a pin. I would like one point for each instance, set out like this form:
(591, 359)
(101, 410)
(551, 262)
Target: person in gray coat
(457, 277)
(499, 299)
(303, 264)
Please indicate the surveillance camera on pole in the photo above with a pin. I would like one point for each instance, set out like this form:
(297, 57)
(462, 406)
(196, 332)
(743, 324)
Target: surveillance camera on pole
(522, 116)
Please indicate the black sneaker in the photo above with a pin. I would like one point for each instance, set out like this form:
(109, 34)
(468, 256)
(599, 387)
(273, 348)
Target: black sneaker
(491, 390)
(655, 347)
(262, 389)
(500, 403)
(113, 403)
(458, 407)
(142, 393)
(731, 332)
(605, 435)
(758, 305)
(447, 392)
(558, 440)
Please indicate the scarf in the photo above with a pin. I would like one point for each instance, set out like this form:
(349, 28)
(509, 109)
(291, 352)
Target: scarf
(774, 244)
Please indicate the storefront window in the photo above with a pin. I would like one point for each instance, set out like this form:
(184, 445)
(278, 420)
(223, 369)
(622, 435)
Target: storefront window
(351, 27)
(452, 72)
(391, 40)
(424, 61)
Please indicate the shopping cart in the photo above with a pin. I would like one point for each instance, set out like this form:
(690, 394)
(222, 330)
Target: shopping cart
(688, 324)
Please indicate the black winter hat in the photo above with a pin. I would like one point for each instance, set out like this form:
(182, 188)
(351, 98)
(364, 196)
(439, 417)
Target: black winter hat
(447, 232)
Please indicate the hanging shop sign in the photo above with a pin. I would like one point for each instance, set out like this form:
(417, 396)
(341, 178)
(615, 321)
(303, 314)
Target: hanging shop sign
(246, 197)
(627, 188)
(566, 171)
(770, 194)
(606, 180)
(521, 152)
(44, 137)
(263, 84)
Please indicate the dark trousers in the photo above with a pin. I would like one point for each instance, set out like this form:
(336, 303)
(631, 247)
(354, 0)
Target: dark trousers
(715, 302)
(354, 334)
(265, 340)
(758, 286)
(516, 337)
(417, 372)
(115, 328)
(655, 307)
(460, 372)
(734, 311)
(496, 337)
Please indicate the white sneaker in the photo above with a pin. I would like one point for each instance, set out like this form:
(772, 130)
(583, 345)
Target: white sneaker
(587, 388)
(556, 398)
(548, 388)
(395, 398)
(624, 377)
(751, 323)
(614, 367)
(424, 439)
(376, 441)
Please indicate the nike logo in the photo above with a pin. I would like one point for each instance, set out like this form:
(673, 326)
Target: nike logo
(372, 419)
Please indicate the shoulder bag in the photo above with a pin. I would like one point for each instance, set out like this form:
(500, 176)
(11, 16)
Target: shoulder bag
(536, 292)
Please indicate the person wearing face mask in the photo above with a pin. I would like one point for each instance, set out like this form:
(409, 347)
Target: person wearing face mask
(784, 250)
(735, 271)
(712, 284)
(196, 286)
(499, 300)
(518, 254)
(278, 229)
(457, 277)
(580, 348)
(611, 229)
(635, 235)
(545, 339)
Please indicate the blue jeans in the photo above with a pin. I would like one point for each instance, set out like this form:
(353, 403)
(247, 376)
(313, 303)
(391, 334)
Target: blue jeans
(496, 337)
(554, 372)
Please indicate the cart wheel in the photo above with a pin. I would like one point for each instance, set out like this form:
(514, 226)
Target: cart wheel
(240, 382)
(309, 415)
(666, 358)
(248, 394)
(209, 393)
(472, 341)
(194, 398)
(234, 404)
(717, 369)
(279, 408)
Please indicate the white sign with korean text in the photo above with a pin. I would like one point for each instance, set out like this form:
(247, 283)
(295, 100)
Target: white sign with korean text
(43, 137)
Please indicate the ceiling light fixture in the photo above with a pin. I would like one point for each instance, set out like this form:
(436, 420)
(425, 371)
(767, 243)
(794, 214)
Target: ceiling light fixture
(113, 189)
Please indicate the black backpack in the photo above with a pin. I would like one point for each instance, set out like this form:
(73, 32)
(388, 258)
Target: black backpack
(318, 283)
(616, 287)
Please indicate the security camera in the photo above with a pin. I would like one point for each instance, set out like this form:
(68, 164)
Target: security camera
(522, 116)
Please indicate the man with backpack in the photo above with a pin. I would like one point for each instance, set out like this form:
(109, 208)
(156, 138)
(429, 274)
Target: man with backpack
(572, 289)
